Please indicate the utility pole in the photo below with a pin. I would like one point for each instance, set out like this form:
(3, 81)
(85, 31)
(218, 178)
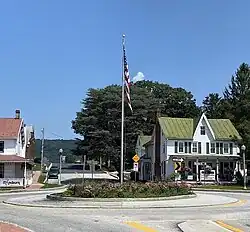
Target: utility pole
(42, 150)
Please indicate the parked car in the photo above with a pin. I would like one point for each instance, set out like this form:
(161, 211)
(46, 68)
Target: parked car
(53, 173)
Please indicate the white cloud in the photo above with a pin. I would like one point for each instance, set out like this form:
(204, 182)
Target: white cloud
(139, 77)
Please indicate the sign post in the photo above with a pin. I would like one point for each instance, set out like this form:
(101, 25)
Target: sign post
(177, 165)
(136, 159)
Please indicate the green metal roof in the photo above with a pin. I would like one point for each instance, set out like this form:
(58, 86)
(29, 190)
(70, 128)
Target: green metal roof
(183, 128)
(177, 128)
(224, 129)
(144, 139)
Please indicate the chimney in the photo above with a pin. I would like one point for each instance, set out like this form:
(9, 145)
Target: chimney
(17, 114)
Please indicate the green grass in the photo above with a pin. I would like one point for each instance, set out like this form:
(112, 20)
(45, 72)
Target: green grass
(223, 187)
(41, 178)
(46, 185)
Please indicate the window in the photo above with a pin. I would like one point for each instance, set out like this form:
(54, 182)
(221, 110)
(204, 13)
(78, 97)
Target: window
(1, 170)
(1, 146)
(181, 147)
(194, 147)
(212, 148)
(226, 148)
(203, 130)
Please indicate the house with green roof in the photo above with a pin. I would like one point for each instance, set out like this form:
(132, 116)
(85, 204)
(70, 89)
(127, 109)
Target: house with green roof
(198, 149)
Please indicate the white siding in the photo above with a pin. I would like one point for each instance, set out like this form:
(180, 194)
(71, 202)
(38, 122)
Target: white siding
(9, 147)
(203, 138)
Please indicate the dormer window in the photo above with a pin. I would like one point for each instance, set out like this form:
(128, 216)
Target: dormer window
(203, 130)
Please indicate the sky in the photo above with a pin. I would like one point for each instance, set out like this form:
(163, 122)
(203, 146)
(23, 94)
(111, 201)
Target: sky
(51, 52)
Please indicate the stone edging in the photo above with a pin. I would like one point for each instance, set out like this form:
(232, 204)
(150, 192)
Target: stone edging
(221, 190)
(56, 197)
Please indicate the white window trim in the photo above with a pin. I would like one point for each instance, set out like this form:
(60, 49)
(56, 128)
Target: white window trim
(182, 147)
(228, 148)
(195, 152)
(211, 148)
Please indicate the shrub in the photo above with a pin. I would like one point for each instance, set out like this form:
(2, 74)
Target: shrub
(104, 189)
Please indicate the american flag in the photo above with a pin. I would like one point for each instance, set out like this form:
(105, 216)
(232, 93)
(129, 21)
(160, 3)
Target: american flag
(127, 79)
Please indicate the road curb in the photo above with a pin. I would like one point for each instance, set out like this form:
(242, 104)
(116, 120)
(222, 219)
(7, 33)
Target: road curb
(221, 190)
(116, 205)
(32, 190)
(56, 197)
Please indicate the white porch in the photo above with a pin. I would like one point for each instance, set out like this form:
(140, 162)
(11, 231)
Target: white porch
(15, 174)
(205, 168)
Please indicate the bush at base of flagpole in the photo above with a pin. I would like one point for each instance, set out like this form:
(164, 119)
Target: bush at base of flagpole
(105, 189)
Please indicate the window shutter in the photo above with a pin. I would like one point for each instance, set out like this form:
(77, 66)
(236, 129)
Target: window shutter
(221, 148)
(199, 147)
(231, 148)
(176, 147)
(207, 146)
(186, 148)
(217, 148)
(189, 147)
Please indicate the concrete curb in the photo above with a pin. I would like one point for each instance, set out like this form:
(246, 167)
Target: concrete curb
(32, 190)
(115, 205)
(221, 190)
(56, 197)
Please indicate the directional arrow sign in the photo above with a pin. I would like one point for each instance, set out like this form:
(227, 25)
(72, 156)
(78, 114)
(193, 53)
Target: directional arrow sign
(178, 159)
(177, 166)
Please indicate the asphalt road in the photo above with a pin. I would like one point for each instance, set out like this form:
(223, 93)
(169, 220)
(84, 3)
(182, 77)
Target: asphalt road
(108, 220)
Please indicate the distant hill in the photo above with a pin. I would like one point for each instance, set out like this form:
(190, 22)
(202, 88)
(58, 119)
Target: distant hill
(51, 149)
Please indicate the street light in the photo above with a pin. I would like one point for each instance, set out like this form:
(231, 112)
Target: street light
(60, 165)
(243, 148)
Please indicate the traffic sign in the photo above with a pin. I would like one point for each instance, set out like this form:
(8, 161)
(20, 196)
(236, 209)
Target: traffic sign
(136, 158)
(177, 166)
(178, 159)
(136, 167)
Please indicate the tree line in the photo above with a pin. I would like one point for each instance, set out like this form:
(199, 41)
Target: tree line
(99, 120)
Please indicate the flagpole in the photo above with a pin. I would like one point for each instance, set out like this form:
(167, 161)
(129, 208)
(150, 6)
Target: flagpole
(122, 122)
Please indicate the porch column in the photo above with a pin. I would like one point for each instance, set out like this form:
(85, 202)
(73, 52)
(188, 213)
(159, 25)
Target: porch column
(25, 174)
(197, 169)
(217, 170)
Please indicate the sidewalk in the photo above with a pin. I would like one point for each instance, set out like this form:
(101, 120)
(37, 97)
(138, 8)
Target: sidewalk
(7, 227)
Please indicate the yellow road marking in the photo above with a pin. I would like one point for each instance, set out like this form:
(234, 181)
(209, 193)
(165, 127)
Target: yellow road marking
(238, 203)
(226, 226)
(140, 226)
